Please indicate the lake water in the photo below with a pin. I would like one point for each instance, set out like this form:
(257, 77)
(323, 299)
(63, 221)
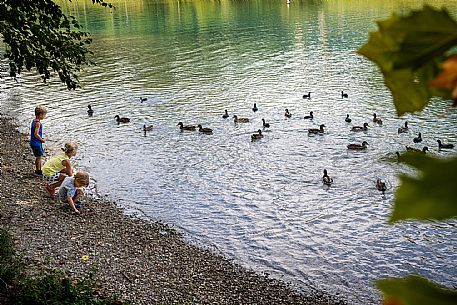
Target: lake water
(261, 203)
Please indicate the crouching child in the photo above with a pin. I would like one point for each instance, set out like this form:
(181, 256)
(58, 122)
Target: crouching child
(71, 190)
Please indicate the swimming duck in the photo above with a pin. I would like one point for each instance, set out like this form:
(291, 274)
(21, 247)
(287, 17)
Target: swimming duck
(347, 119)
(90, 112)
(188, 127)
(265, 125)
(344, 95)
(255, 107)
(315, 130)
(121, 120)
(236, 119)
(225, 115)
(376, 119)
(358, 146)
(143, 99)
(307, 96)
(257, 136)
(310, 116)
(408, 148)
(403, 129)
(287, 114)
(418, 139)
(381, 185)
(147, 128)
(204, 130)
(442, 145)
(326, 179)
(360, 128)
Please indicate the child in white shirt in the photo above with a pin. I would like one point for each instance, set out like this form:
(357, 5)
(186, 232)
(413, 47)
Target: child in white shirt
(71, 189)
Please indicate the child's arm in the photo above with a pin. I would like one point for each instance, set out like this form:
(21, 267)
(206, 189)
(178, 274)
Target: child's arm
(72, 204)
(68, 168)
(35, 132)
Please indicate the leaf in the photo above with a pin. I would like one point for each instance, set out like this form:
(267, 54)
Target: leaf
(415, 290)
(408, 95)
(406, 49)
(431, 195)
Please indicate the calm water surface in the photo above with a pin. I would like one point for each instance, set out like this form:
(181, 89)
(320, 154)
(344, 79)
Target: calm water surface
(260, 203)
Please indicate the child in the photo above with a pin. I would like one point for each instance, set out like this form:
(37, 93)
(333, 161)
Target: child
(36, 137)
(58, 167)
(72, 189)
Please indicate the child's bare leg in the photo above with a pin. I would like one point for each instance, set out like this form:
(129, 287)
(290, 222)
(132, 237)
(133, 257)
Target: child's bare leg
(79, 193)
(38, 163)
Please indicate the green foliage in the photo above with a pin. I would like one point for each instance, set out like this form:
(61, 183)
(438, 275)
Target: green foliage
(430, 195)
(410, 52)
(414, 290)
(9, 266)
(407, 49)
(54, 288)
(39, 36)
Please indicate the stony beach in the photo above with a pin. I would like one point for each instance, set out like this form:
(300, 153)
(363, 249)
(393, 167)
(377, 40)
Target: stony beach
(140, 261)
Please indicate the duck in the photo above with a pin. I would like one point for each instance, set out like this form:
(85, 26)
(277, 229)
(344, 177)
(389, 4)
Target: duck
(307, 96)
(255, 107)
(147, 128)
(442, 145)
(265, 125)
(404, 128)
(204, 130)
(236, 119)
(381, 185)
(121, 120)
(358, 146)
(309, 117)
(188, 127)
(225, 115)
(257, 136)
(344, 95)
(360, 128)
(315, 130)
(143, 99)
(287, 114)
(326, 179)
(376, 119)
(90, 112)
(347, 119)
(424, 149)
(418, 139)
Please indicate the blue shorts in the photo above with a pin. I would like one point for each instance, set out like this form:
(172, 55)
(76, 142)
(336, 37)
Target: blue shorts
(37, 150)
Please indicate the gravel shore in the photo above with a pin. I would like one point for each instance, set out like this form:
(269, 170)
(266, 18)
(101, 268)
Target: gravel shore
(140, 261)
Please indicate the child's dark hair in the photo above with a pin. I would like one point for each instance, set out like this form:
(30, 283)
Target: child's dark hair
(69, 147)
(40, 110)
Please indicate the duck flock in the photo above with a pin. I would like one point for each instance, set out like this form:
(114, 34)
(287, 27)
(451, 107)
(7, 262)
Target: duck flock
(326, 179)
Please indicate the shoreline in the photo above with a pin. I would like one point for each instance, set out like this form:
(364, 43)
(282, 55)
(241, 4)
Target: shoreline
(138, 260)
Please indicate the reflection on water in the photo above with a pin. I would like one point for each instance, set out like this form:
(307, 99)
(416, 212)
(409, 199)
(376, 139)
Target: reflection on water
(261, 203)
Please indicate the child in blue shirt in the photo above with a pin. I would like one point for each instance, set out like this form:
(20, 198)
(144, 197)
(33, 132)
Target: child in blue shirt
(71, 190)
(36, 137)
